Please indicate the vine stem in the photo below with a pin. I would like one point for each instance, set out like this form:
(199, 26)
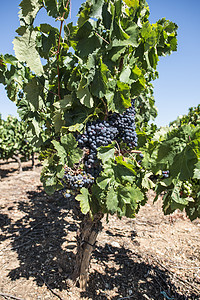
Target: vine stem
(118, 148)
(58, 51)
(136, 151)
(102, 38)
(106, 109)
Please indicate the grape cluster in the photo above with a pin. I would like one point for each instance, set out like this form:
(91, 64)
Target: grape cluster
(125, 124)
(186, 189)
(117, 127)
(165, 174)
(73, 182)
(98, 133)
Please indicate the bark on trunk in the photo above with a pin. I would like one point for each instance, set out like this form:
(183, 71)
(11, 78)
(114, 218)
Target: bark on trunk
(33, 160)
(17, 158)
(86, 239)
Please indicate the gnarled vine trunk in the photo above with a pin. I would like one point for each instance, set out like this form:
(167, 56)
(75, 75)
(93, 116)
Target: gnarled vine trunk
(17, 158)
(33, 160)
(86, 238)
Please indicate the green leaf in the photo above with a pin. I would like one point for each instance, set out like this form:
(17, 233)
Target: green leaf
(60, 151)
(33, 92)
(120, 98)
(125, 75)
(77, 127)
(103, 182)
(178, 152)
(35, 127)
(46, 43)
(112, 200)
(197, 171)
(147, 183)
(98, 193)
(84, 199)
(132, 3)
(60, 171)
(127, 164)
(184, 163)
(70, 144)
(10, 59)
(50, 181)
(52, 8)
(25, 51)
(65, 103)
(106, 153)
(96, 10)
(87, 40)
(133, 32)
(85, 97)
(130, 195)
(99, 84)
(58, 121)
(29, 10)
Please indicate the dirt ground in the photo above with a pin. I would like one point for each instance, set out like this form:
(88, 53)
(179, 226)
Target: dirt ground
(150, 257)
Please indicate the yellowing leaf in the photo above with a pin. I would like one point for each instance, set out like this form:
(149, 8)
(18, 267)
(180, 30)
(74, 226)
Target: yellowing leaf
(132, 3)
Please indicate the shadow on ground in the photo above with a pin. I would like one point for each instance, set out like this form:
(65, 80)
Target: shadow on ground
(38, 239)
(51, 222)
(6, 172)
(130, 276)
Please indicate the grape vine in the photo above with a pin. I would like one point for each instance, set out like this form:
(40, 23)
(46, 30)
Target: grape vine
(88, 110)
(14, 141)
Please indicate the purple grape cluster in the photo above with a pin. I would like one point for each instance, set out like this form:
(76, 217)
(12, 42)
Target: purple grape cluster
(98, 133)
(117, 127)
(125, 124)
(74, 182)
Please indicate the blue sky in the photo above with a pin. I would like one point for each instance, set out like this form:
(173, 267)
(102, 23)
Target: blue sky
(177, 88)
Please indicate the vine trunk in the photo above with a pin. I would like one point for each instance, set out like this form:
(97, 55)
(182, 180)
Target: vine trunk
(86, 238)
(17, 158)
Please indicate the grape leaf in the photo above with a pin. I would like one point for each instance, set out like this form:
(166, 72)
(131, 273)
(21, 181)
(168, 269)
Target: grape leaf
(130, 195)
(25, 51)
(103, 182)
(60, 151)
(96, 10)
(84, 199)
(99, 84)
(132, 3)
(33, 93)
(119, 99)
(52, 8)
(58, 121)
(197, 170)
(74, 153)
(106, 153)
(29, 10)
(64, 103)
(112, 200)
(85, 96)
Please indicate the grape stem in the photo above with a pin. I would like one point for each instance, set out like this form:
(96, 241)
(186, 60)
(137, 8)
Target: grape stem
(102, 38)
(133, 151)
(136, 151)
(106, 109)
(118, 148)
